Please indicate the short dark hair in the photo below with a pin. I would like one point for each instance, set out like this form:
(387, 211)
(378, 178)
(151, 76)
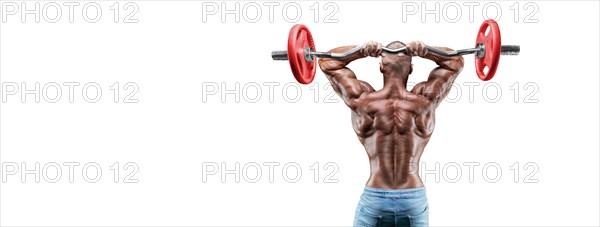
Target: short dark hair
(395, 45)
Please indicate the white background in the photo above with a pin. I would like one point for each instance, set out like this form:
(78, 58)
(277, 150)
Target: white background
(171, 53)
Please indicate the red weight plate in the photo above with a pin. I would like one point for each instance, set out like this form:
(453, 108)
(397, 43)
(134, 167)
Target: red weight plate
(492, 44)
(300, 38)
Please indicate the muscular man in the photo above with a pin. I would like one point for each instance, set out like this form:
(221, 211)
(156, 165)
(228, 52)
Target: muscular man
(394, 125)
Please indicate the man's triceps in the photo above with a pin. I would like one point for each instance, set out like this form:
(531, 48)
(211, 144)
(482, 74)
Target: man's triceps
(437, 86)
(345, 84)
(342, 79)
(440, 80)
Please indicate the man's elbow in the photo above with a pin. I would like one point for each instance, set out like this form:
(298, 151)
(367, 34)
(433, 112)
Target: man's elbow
(327, 65)
(457, 64)
(323, 64)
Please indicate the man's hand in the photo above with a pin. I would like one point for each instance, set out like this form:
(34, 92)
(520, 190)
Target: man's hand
(416, 48)
(371, 48)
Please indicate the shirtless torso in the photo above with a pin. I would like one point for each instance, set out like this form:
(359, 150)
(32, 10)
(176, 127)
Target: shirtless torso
(393, 124)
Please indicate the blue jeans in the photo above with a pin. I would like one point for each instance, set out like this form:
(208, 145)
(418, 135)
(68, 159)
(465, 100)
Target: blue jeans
(384, 207)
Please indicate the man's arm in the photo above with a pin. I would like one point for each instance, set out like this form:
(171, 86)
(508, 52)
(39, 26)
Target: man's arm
(440, 80)
(342, 79)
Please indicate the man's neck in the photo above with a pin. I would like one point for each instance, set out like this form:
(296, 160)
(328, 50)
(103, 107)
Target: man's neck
(394, 81)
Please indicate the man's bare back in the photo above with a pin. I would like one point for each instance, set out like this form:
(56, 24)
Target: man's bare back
(393, 124)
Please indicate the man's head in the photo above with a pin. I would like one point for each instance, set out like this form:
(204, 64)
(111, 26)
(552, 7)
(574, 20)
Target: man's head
(395, 64)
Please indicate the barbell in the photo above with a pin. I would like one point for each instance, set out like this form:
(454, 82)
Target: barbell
(301, 52)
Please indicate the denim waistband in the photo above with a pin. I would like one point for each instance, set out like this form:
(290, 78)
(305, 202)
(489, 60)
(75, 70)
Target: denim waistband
(396, 193)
